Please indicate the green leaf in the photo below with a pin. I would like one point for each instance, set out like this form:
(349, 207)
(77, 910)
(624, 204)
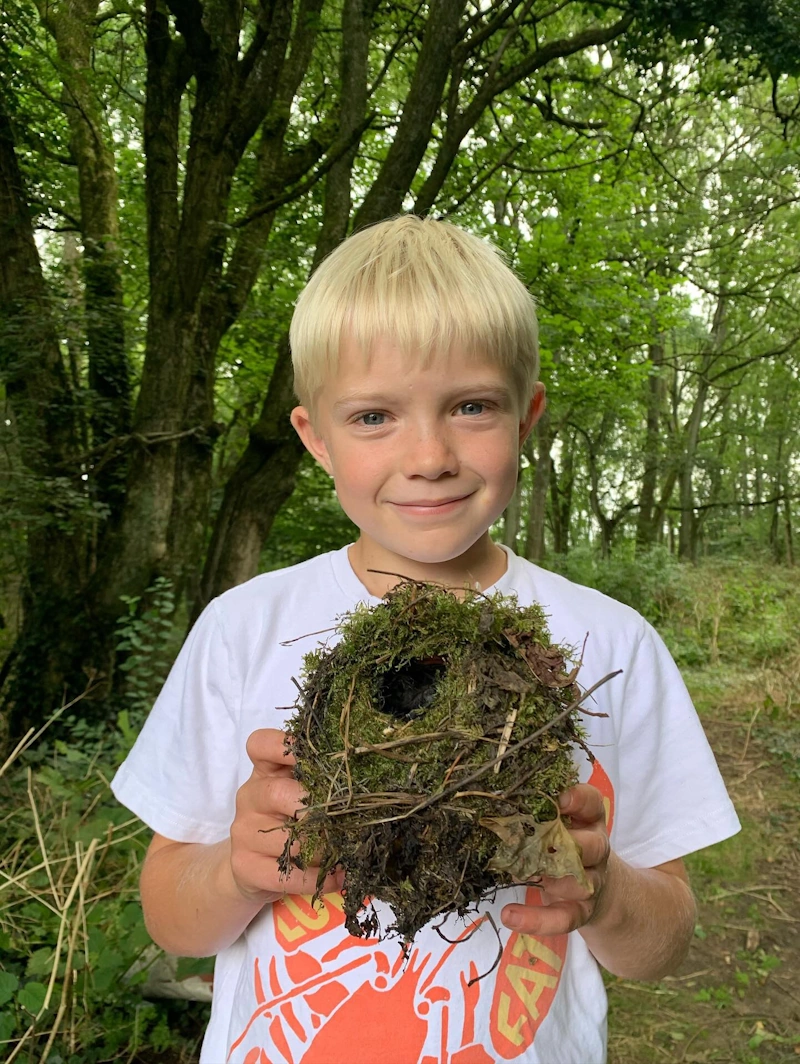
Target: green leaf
(40, 961)
(32, 996)
(8, 984)
(194, 966)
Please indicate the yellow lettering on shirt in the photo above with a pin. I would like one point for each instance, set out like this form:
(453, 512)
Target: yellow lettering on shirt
(536, 948)
(513, 1032)
(529, 984)
(307, 916)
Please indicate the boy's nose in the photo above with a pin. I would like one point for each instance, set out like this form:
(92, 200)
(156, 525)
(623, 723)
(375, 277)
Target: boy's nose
(429, 455)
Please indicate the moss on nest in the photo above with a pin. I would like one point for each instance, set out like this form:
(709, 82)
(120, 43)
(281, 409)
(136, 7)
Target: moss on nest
(433, 740)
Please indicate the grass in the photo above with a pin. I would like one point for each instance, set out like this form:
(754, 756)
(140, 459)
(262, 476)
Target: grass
(735, 999)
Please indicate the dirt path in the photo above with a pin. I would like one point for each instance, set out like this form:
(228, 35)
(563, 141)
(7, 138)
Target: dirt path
(736, 1000)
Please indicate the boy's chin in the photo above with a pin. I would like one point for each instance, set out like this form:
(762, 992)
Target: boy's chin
(432, 555)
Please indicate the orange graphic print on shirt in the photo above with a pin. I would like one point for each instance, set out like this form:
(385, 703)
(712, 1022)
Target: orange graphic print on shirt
(325, 996)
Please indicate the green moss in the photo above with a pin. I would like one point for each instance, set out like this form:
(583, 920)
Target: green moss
(397, 737)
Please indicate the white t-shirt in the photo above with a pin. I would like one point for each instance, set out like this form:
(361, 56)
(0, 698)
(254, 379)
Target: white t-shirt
(296, 988)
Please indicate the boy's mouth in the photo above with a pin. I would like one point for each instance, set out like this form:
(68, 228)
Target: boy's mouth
(434, 505)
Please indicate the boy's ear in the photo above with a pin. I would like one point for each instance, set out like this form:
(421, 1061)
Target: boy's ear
(536, 408)
(313, 442)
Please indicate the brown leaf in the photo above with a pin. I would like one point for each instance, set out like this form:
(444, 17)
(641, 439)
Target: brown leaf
(528, 849)
(509, 681)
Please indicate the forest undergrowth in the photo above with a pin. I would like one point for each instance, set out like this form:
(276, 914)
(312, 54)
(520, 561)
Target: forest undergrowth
(74, 953)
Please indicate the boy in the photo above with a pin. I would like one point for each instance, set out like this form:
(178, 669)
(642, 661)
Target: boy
(416, 359)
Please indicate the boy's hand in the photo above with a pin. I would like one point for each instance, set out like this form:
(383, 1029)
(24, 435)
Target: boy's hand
(566, 905)
(264, 804)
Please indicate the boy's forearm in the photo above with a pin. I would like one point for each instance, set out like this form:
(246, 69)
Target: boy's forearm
(192, 906)
(646, 927)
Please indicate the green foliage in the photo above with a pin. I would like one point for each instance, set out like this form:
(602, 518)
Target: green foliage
(764, 31)
(309, 523)
(146, 641)
(723, 610)
(648, 581)
(75, 923)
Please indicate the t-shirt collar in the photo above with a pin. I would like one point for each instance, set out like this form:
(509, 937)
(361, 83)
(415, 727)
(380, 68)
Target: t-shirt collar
(352, 587)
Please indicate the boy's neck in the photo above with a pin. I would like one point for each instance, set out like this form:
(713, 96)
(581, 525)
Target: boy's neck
(479, 567)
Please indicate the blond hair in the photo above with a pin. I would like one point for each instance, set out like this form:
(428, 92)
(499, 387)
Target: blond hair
(426, 285)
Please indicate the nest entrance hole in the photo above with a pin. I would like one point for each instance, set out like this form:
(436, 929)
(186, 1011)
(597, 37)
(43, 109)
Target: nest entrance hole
(404, 692)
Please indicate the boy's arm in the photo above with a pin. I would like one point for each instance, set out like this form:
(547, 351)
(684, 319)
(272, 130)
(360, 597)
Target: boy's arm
(197, 899)
(638, 923)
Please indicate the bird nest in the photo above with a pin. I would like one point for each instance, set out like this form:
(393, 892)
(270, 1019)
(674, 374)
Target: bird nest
(433, 741)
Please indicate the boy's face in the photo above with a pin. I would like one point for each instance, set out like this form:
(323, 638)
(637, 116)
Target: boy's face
(424, 458)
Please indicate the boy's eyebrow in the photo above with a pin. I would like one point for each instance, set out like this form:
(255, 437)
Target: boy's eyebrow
(476, 389)
(358, 398)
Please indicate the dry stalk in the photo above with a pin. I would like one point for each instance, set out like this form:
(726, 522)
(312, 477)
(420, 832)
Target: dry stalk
(56, 894)
(21, 1042)
(32, 894)
(31, 736)
(505, 738)
(82, 870)
(65, 988)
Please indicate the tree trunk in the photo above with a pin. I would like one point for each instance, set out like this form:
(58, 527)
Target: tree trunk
(646, 528)
(72, 28)
(561, 487)
(38, 391)
(264, 477)
(535, 542)
(687, 533)
(513, 513)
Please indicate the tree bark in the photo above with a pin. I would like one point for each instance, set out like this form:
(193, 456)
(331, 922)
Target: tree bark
(38, 390)
(687, 532)
(535, 542)
(646, 527)
(513, 513)
(264, 477)
(72, 27)
(561, 486)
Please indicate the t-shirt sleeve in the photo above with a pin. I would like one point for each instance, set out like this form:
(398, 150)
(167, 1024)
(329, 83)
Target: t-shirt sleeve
(180, 777)
(673, 799)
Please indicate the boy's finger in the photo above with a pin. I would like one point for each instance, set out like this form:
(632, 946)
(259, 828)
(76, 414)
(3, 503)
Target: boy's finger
(261, 871)
(565, 888)
(266, 748)
(557, 919)
(281, 796)
(595, 846)
(583, 802)
(305, 882)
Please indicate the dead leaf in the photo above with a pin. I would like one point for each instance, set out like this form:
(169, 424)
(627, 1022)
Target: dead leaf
(529, 849)
(509, 681)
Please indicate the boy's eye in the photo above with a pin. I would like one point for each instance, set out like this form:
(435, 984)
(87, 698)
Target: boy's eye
(372, 418)
(471, 408)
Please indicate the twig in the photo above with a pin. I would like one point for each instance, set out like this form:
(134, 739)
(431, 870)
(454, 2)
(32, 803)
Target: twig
(344, 722)
(297, 638)
(749, 733)
(407, 740)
